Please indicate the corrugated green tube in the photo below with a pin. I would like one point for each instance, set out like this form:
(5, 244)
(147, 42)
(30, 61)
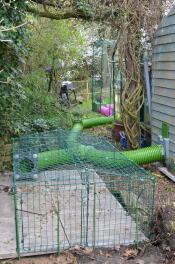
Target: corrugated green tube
(83, 153)
(77, 128)
(52, 158)
(75, 132)
(104, 158)
(87, 123)
(97, 157)
(101, 158)
(140, 156)
(146, 155)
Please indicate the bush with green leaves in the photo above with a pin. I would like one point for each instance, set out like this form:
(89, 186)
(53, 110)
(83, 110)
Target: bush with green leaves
(40, 111)
(13, 40)
(25, 105)
(60, 44)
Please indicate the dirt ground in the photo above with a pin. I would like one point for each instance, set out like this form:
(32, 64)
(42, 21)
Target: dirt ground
(161, 249)
(142, 254)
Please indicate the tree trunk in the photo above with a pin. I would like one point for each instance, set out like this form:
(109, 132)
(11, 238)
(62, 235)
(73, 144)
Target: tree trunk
(132, 99)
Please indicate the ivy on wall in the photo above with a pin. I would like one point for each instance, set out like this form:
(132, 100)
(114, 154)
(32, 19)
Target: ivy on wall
(13, 39)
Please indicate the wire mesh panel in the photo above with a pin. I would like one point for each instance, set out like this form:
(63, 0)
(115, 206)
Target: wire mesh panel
(107, 78)
(81, 89)
(130, 184)
(50, 214)
(102, 77)
(72, 189)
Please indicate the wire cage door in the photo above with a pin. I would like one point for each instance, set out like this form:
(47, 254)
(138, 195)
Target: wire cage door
(53, 217)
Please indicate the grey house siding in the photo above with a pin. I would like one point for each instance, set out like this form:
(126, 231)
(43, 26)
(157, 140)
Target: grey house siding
(163, 80)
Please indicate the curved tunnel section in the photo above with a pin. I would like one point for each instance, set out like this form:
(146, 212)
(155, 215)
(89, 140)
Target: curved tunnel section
(139, 156)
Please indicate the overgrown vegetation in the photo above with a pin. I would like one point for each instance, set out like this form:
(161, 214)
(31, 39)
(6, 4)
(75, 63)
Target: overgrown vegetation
(35, 54)
(54, 56)
(13, 39)
(57, 48)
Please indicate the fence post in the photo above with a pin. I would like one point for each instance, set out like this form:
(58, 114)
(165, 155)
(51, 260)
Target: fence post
(87, 90)
(16, 218)
(58, 228)
(94, 219)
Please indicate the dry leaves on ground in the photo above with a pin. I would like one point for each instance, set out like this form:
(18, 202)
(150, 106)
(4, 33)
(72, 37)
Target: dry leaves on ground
(130, 253)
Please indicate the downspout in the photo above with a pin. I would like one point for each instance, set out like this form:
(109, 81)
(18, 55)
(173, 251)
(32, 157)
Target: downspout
(148, 85)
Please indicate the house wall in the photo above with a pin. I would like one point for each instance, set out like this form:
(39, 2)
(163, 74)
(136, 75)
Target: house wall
(163, 80)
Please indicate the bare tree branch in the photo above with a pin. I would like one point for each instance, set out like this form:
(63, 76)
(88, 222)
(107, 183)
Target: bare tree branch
(4, 82)
(66, 14)
(12, 28)
(5, 40)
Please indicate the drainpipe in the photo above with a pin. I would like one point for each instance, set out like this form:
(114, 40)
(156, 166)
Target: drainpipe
(148, 85)
(113, 80)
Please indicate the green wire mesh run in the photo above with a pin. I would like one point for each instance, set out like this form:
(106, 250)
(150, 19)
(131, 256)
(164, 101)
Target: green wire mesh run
(78, 189)
(107, 79)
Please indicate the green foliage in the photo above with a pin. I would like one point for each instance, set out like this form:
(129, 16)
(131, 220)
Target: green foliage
(51, 43)
(33, 124)
(85, 7)
(25, 105)
(60, 44)
(39, 110)
(13, 38)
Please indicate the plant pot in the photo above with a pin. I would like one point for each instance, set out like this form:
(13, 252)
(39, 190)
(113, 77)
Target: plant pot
(118, 127)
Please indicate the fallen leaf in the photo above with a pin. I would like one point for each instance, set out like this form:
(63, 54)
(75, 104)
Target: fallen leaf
(69, 258)
(167, 248)
(130, 253)
(66, 259)
(77, 247)
(117, 248)
(158, 175)
(88, 250)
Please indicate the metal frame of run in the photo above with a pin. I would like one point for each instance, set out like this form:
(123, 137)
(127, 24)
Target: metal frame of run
(77, 192)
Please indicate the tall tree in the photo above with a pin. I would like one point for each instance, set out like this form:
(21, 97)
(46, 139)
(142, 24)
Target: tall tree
(56, 45)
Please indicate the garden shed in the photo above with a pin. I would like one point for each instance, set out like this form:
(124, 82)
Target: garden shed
(163, 80)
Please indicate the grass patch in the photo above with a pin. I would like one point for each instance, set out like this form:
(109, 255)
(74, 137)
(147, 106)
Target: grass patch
(84, 111)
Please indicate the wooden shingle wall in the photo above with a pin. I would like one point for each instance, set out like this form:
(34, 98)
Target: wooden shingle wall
(163, 80)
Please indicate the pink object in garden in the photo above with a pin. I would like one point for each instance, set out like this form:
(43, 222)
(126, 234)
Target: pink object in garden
(110, 106)
(107, 111)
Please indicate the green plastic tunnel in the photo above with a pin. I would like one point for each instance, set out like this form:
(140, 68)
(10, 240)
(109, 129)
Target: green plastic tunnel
(94, 156)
